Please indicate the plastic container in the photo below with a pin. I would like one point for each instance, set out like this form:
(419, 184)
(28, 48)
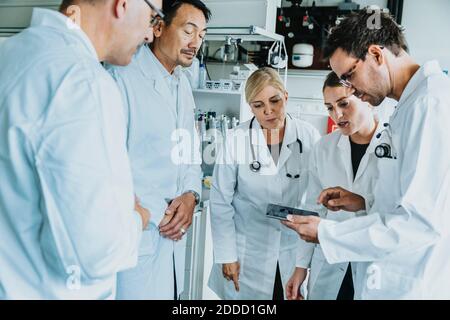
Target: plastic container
(302, 55)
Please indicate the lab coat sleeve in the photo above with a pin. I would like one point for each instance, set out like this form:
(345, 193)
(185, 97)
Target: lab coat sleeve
(85, 179)
(418, 219)
(309, 201)
(222, 211)
(193, 174)
(304, 254)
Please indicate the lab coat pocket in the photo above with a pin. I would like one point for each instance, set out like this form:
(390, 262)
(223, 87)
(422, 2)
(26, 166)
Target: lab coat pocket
(388, 176)
(387, 170)
(150, 241)
(385, 167)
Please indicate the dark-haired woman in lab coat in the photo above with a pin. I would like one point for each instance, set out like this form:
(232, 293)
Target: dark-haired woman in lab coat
(343, 158)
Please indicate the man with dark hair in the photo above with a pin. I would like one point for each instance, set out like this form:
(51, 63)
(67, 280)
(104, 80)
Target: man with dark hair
(164, 148)
(67, 224)
(352, 47)
(389, 34)
(171, 7)
(405, 238)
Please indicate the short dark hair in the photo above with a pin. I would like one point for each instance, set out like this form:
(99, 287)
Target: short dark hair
(355, 35)
(332, 81)
(170, 8)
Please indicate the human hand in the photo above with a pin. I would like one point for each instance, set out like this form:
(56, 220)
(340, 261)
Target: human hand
(336, 199)
(306, 227)
(294, 284)
(178, 217)
(231, 273)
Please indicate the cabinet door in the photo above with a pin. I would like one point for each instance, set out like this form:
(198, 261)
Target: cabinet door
(15, 15)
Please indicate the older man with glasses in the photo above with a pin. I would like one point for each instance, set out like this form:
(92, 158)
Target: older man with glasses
(67, 224)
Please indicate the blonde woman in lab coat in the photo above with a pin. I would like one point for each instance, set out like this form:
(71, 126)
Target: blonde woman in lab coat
(262, 162)
(344, 158)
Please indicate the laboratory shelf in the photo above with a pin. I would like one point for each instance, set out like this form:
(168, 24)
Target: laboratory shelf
(252, 33)
(208, 91)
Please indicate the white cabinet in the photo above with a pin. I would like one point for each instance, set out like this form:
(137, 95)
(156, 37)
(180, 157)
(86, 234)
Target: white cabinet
(243, 13)
(199, 257)
(306, 97)
(15, 15)
(195, 257)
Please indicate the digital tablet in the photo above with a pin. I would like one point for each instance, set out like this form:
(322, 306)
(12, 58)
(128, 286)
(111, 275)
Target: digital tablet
(278, 212)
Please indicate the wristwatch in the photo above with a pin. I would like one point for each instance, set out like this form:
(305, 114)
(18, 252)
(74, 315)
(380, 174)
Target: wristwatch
(196, 196)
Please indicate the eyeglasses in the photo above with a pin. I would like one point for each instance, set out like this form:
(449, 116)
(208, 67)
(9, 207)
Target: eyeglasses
(345, 79)
(157, 17)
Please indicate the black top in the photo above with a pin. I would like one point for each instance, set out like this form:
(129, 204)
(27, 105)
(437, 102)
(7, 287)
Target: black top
(346, 291)
(358, 152)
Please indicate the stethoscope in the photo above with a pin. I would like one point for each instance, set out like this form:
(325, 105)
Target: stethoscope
(255, 165)
(385, 150)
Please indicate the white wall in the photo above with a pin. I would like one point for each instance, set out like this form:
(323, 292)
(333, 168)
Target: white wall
(427, 26)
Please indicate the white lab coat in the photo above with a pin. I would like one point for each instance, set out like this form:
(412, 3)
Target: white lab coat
(406, 235)
(153, 117)
(239, 199)
(67, 224)
(330, 165)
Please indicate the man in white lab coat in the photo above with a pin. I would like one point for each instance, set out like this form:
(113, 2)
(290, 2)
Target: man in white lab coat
(163, 148)
(67, 224)
(345, 158)
(406, 235)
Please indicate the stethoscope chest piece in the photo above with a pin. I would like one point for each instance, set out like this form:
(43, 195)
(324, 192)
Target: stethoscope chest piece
(255, 166)
(383, 151)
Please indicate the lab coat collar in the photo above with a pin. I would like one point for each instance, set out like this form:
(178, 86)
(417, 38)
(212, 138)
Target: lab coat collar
(149, 64)
(289, 141)
(290, 138)
(159, 67)
(370, 150)
(346, 155)
(153, 70)
(290, 135)
(427, 70)
(374, 142)
(344, 141)
(56, 20)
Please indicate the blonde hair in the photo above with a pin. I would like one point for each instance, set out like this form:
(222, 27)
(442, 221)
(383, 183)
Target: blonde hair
(259, 80)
